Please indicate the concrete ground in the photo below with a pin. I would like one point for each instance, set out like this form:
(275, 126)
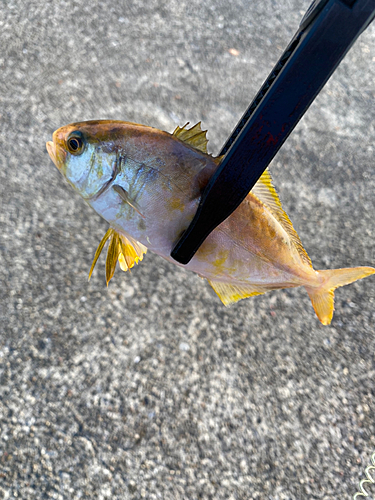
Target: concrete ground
(151, 388)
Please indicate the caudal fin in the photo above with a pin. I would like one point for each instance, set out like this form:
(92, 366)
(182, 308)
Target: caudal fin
(322, 297)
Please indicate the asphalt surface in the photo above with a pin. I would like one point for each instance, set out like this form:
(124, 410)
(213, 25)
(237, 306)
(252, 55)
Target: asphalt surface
(151, 388)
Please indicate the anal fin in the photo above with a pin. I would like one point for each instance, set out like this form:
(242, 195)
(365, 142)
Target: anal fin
(228, 293)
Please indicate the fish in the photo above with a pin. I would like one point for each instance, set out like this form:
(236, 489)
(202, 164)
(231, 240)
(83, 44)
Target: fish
(147, 184)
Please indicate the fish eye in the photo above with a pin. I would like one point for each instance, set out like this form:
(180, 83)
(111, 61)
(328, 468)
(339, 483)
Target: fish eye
(75, 143)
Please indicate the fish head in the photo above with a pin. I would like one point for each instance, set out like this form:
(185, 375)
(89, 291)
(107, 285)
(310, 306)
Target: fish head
(85, 156)
(144, 182)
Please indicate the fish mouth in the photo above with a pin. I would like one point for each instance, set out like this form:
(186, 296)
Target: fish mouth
(56, 150)
(52, 152)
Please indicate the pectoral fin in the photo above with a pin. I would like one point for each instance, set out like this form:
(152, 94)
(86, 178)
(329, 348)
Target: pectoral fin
(124, 195)
(228, 294)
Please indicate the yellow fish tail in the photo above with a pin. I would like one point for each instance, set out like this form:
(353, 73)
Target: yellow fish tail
(322, 297)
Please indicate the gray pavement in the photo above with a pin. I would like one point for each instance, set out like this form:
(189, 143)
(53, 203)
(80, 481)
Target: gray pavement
(151, 388)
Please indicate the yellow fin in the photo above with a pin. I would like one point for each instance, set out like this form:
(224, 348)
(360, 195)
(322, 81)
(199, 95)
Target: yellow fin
(113, 253)
(228, 293)
(131, 252)
(124, 249)
(194, 136)
(99, 250)
(218, 159)
(322, 297)
(266, 193)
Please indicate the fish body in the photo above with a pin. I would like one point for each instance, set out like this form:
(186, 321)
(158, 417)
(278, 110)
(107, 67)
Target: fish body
(147, 185)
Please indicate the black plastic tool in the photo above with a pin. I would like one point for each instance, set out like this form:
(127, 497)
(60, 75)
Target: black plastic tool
(326, 33)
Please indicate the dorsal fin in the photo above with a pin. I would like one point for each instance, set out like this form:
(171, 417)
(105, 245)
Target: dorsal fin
(266, 193)
(232, 293)
(194, 136)
(122, 248)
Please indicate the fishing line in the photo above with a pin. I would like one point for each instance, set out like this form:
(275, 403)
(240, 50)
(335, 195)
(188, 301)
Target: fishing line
(370, 479)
